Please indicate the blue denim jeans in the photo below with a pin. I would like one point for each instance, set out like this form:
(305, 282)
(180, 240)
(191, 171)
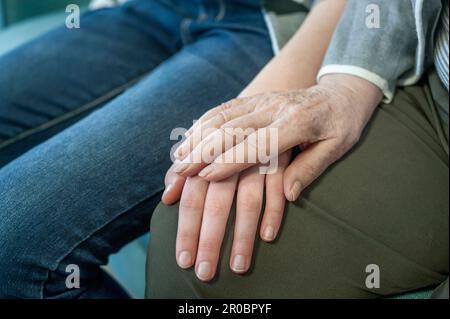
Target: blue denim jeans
(85, 122)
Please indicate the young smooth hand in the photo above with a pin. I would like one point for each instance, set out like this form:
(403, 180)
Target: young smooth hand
(204, 210)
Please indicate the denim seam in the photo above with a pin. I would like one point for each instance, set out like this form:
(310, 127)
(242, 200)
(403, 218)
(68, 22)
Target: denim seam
(69, 115)
(222, 11)
(202, 13)
(78, 243)
(186, 36)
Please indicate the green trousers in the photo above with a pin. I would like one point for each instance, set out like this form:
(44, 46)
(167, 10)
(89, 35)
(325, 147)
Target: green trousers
(386, 203)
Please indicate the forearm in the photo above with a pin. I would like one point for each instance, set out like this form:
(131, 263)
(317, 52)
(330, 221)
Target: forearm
(297, 65)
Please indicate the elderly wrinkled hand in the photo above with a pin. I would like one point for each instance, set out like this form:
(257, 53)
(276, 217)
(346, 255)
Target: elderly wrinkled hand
(326, 120)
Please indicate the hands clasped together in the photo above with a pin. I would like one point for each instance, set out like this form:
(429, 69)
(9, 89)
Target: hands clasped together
(326, 121)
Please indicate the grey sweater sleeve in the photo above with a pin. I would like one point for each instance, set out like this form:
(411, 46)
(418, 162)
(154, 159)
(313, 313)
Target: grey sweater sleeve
(386, 42)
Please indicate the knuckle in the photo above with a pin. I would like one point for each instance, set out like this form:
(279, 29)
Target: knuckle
(208, 246)
(190, 203)
(184, 235)
(354, 139)
(249, 203)
(214, 207)
(209, 113)
(243, 242)
(308, 169)
(226, 105)
(349, 140)
(275, 210)
(223, 116)
(278, 189)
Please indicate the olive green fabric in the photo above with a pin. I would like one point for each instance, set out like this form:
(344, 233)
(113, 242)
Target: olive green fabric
(384, 203)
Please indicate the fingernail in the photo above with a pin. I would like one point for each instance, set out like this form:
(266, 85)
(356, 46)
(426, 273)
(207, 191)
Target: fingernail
(295, 191)
(178, 151)
(185, 259)
(207, 170)
(168, 188)
(181, 151)
(269, 233)
(180, 167)
(239, 264)
(204, 270)
(177, 154)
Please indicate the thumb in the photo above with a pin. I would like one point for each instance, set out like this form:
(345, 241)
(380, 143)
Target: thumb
(174, 186)
(307, 166)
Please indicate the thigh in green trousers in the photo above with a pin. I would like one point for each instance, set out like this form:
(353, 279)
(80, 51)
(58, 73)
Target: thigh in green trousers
(385, 203)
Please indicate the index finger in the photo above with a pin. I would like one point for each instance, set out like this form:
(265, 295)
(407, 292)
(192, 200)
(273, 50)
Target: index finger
(174, 186)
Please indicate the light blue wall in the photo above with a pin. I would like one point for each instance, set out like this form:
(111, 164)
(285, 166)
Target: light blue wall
(12, 11)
